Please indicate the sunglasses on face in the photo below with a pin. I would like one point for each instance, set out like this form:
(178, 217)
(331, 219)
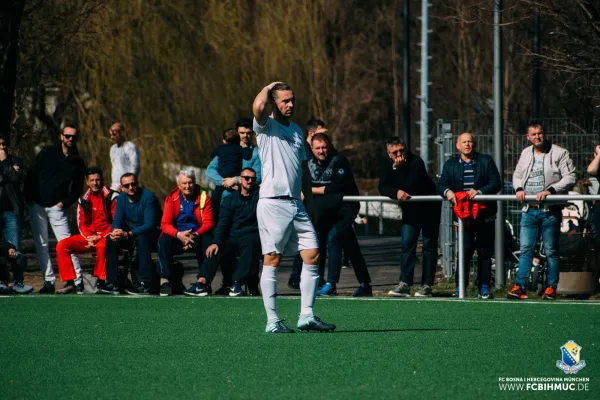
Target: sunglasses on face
(70, 137)
(128, 185)
(248, 178)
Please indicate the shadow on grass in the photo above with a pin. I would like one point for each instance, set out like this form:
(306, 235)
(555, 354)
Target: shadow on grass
(402, 330)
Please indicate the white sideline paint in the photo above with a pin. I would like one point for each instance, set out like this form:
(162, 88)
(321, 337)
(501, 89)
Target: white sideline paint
(332, 298)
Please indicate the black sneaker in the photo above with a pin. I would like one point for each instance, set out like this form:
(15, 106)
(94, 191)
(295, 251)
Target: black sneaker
(139, 290)
(198, 289)
(236, 290)
(177, 288)
(68, 288)
(80, 288)
(165, 289)
(294, 284)
(110, 288)
(223, 291)
(252, 289)
(48, 288)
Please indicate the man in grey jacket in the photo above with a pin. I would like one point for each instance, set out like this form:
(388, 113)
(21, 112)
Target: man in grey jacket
(543, 169)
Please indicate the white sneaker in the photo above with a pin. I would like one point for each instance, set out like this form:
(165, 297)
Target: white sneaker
(19, 288)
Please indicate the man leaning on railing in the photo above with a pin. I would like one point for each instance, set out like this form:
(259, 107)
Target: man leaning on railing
(543, 169)
(463, 178)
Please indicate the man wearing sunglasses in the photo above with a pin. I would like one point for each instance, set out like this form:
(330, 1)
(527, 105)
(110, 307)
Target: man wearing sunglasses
(54, 183)
(237, 233)
(403, 175)
(135, 226)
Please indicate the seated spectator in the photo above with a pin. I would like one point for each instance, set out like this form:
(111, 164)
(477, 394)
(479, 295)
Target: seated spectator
(95, 213)
(237, 233)
(332, 178)
(12, 205)
(16, 260)
(135, 227)
(186, 224)
(229, 162)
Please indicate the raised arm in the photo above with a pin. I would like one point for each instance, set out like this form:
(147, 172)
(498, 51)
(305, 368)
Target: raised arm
(592, 169)
(259, 107)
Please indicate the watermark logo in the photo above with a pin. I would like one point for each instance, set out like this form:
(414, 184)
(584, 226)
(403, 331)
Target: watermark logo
(571, 362)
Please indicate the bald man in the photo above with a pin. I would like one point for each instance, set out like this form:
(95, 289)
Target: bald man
(474, 173)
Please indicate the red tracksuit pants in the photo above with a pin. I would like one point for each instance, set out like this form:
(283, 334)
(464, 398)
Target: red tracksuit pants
(76, 244)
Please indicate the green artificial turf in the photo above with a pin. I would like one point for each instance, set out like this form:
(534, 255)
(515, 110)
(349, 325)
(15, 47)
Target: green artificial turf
(125, 347)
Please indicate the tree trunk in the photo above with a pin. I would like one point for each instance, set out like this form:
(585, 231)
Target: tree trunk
(11, 13)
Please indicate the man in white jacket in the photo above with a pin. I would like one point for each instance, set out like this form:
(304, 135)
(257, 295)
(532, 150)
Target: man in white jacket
(124, 156)
(543, 169)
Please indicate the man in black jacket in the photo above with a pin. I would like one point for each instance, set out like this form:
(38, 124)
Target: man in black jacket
(237, 233)
(12, 206)
(474, 173)
(54, 183)
(332, 178)
(403, 175)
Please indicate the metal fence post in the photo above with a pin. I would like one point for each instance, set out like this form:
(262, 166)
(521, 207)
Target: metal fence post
(461, 259)
(367, 215)
(380, 219)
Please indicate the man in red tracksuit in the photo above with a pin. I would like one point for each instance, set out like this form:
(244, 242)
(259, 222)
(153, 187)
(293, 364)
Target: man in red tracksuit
(95, 212)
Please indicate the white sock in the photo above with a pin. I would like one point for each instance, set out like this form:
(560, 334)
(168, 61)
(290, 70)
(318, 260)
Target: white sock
(309, 280)
(268, 286)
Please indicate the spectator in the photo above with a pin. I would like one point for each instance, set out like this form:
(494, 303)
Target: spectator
(54, 183)
(230, 156)
(403, 175)
(332, 178)
(543, 169)
(186, 224)
(593, 169)
(237, 233)
(135, 227)
(95, 213)
(16, 260)
(313, 125)
(12, 205)
(124, 156)
(473, 173)
(245, 132)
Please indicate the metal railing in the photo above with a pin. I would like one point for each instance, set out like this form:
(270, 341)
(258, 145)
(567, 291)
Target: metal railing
(561, 198)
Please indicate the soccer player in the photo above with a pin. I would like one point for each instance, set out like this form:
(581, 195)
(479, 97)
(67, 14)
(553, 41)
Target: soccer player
(283, 222)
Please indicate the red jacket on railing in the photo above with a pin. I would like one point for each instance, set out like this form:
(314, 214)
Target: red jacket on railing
(202, 210)
(465, 208)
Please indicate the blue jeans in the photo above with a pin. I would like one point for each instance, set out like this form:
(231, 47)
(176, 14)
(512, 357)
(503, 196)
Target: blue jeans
(532, 222)
(11, 229)
(408, 250)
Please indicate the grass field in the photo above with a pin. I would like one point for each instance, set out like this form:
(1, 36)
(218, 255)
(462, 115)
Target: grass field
(126, 347)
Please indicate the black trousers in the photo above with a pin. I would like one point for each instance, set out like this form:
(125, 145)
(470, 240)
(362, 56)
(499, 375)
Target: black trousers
(141, 246)
(479, 236)
(168, 247)
(342, 220)
(249, 250)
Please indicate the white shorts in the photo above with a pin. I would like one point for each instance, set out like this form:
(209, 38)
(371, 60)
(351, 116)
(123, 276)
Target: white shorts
(284, 226)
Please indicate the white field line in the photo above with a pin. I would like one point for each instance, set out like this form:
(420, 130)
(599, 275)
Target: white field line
(285, 297)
